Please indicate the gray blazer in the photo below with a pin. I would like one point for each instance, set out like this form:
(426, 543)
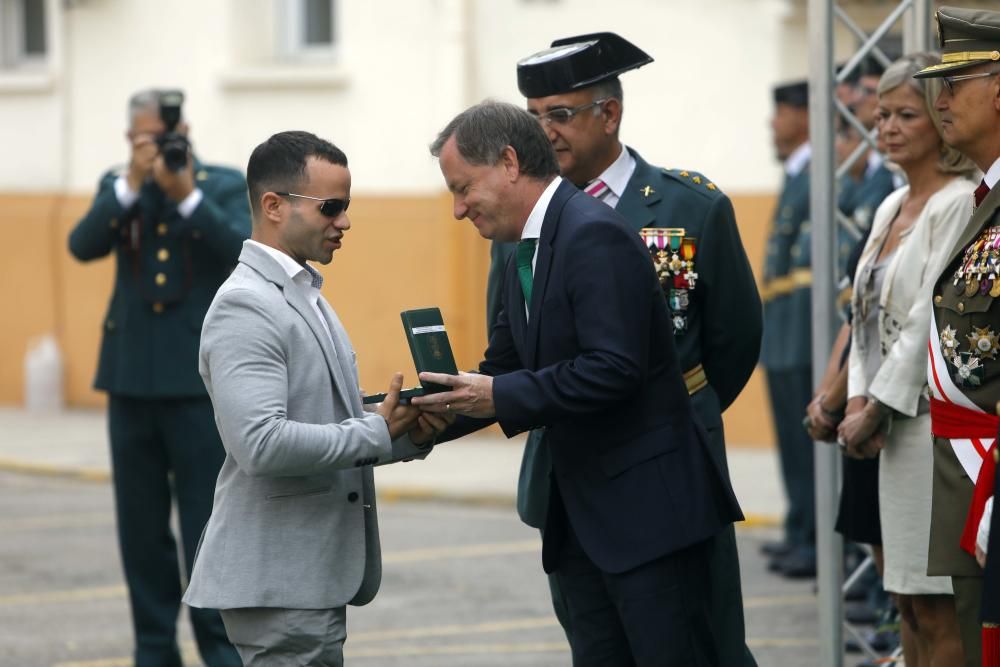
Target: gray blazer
(294, 521)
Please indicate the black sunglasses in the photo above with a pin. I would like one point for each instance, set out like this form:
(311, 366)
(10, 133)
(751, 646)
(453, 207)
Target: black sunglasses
(331, 208)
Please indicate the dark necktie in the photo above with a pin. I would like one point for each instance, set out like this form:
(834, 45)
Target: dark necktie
(525, 253)
(980, 193)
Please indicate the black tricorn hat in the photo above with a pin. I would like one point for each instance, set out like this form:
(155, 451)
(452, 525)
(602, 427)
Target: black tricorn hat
(578, 62)
(967, 37)
(794, 94)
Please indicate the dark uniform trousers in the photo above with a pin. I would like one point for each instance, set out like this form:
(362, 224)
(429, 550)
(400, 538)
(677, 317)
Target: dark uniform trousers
(657, 198)
(156, 443)
(790, 392)
(162, 429)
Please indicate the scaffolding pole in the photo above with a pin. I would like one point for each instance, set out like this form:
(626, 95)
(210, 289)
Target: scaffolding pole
(916, 16)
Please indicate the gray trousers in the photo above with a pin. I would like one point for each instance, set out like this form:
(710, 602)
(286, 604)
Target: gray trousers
(277, 637)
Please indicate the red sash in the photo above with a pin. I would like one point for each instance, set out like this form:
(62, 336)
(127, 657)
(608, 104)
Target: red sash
(991, 645)
(949, 420)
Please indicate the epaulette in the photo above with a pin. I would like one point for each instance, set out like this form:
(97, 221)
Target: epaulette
(694, 181)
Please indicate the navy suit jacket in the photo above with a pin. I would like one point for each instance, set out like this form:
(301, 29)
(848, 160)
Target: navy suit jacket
(595, 365)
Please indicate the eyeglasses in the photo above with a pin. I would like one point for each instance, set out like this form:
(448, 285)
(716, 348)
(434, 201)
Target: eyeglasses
(331, 208)
(950, 81)
(564, 115)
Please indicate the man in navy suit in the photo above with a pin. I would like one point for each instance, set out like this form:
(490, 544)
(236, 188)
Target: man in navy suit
(583, 347)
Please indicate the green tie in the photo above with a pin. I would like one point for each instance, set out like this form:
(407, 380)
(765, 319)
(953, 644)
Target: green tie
(525, 253)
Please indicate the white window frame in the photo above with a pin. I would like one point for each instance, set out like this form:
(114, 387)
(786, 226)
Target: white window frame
(291, 33)
(12, 37)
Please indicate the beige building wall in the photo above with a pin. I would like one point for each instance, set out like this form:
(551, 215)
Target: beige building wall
(402, 68)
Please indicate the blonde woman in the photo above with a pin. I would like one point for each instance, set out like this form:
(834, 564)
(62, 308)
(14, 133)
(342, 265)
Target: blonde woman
(914, 231)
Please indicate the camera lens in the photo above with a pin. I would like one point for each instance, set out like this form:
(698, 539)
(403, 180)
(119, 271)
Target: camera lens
(174, 148)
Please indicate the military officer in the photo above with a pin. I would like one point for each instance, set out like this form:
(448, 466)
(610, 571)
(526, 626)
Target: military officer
(689, 225)
(786, 353)
(964, 368)
(175, 227)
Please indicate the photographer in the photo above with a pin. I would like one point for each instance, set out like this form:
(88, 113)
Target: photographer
(175, 227)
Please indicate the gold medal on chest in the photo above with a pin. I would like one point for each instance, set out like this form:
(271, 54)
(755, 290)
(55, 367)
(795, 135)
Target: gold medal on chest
(971, 286)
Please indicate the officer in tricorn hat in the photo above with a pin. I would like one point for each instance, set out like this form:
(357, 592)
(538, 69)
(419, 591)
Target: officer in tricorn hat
(966, 311)
(573, 88)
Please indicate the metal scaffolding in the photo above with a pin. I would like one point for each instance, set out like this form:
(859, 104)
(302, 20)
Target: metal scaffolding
(916, 18)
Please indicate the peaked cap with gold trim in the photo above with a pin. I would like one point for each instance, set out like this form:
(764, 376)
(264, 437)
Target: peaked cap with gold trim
(967, 37)
(578, 62)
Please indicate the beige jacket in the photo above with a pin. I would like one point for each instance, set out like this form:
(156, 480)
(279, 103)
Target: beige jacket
(904, 320)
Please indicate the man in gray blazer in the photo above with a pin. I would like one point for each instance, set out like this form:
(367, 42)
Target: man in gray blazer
(293, 535)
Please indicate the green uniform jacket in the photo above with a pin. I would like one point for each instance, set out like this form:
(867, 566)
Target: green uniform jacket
(787, 290)
(722, 330)
(967, 327)
(168, 269)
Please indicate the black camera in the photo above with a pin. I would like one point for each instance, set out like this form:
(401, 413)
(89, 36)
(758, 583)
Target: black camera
(173, 146)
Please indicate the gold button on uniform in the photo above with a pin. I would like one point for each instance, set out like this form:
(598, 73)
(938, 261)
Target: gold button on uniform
(114, 223)
(161, 229)
(163, 254)
(110, 325)
(961, 307)
(937, 299)
(161, 279)
(157, 307)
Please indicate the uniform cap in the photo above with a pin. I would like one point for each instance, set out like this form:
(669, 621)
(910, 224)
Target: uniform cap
(967, 37)
(793, 93)
(578, 62)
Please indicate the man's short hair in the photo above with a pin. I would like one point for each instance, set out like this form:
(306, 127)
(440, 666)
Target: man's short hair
(279, 164)
(483, 131)
(608, 88)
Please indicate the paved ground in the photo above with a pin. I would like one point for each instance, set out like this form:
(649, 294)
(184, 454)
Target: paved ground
(480, 468)
(463, 585)
(462, 588)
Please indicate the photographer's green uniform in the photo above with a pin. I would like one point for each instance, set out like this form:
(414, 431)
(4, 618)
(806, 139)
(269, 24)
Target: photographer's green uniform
(717, 336)
(162, 428)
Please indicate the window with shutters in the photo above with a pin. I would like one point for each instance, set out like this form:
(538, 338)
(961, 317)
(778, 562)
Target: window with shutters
(309, 29)
(23, 33)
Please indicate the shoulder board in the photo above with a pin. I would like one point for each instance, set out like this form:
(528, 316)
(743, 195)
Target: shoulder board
(694, 181)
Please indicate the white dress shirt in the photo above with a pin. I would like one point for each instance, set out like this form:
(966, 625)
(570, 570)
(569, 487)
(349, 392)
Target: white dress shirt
(127, 197)
(992, 175)
(617, 176)
(798, 160)
(305, 277)
(533, 225)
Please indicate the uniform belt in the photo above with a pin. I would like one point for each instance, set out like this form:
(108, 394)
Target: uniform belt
(783, 285)
(695, 379)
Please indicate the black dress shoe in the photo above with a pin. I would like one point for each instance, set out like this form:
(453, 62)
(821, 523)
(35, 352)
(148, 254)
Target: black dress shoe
(860, 613)
(799, 564)
(775, 549)
(880, 642)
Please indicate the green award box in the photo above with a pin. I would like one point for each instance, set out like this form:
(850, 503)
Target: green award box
(430, 349)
